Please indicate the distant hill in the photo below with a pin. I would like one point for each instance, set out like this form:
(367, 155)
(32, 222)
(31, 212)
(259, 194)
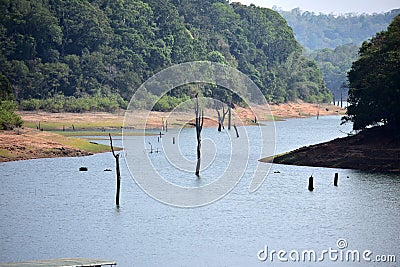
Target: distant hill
(317, 31)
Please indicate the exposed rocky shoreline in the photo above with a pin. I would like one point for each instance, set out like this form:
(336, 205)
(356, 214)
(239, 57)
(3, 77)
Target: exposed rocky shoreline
(375, 149)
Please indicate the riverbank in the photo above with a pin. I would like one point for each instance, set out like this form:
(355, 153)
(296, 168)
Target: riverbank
(27, 143)
(30, 143)
(138, 119)
(375, 149)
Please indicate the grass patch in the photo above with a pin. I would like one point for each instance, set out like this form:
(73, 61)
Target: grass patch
(270, 117)
(80, 144)
(86, 133)
(101, 133)
(276, 158)
(48, 126)
(269, 159)
(5, 153)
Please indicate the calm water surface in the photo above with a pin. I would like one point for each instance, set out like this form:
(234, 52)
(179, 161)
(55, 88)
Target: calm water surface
(48, 209)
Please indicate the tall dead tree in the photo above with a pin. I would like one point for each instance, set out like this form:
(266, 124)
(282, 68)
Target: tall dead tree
(229, 115)
(199, 127)
(221, 118)
(116, 156)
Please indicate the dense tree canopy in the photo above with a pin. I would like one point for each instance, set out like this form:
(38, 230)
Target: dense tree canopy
(334, 65)
(107, 48)
(318, 31)
(374, 79)
(8, 118)
(333, 41)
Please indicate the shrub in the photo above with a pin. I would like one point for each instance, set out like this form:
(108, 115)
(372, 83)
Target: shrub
(31, 104)
(8, 118)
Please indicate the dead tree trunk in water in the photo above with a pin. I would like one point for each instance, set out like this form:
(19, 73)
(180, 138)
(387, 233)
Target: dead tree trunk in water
(229, 115)
(236, 130)
(116, 156)
(335, 179)
(199, 127)
(311, 183)
(221, 119)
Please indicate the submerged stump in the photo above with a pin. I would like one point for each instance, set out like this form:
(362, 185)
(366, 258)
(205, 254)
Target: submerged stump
(311, 183)
(335, 179)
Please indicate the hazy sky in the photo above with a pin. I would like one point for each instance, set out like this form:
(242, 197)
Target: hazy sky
(329, 6)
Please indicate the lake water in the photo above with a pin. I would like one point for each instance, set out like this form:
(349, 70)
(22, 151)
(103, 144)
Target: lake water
(48, 209)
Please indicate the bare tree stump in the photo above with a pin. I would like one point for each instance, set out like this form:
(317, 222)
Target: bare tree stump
(236, 130)
(311, 183)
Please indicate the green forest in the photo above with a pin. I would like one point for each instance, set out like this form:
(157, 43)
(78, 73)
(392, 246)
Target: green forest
(374, 81)
(80, 55)
(319, 31)
(334, 41)
(334, 65)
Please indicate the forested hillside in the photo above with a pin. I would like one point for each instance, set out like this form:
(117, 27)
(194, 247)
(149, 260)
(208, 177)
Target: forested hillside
(374, 81)
(333, 41)
(318, 31)
(56, 52)
(334, 65)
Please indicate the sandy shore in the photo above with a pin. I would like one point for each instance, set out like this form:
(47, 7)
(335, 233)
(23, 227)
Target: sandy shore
(139, 119)
(29, 143)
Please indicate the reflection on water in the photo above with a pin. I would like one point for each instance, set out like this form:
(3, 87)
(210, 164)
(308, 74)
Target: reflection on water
(50, 210)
